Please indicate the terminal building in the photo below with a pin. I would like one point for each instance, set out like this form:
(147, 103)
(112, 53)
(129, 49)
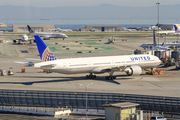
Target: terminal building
(36, 28)
(101, 28)
(3, 25)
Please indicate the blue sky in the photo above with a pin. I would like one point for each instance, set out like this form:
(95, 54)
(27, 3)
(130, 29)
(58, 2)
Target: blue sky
(58, 3)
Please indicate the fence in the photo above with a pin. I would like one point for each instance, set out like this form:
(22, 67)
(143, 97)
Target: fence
(77, 100)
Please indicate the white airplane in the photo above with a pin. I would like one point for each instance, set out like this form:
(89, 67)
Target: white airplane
(131, 64)
(63, 30)
(24, 38)
(129, 30)
(163, 45)
(172, 32)
(47, 35)
(166, 32)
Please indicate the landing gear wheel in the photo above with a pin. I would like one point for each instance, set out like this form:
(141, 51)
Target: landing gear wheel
(94, 76)
(90, 76)
(110, 77)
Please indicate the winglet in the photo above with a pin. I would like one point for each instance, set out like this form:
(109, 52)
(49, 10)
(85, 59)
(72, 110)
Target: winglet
(176, 29)
(44, 51)
(30, 30)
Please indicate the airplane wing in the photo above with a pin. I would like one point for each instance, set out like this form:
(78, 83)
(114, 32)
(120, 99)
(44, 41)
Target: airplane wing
(43, 65)
(30, 39)
(29, 63)
(109, 69)
(130, 69)
(44, 36)
(18, 39)
(33, 59)
(38, 65)
(23, 40)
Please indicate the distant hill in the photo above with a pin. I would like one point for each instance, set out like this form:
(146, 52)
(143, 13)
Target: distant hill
(86, 12)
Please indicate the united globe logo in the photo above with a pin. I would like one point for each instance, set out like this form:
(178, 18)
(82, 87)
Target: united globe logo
(48, 55)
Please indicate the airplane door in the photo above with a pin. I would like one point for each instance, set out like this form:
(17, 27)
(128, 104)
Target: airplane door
(102, 29)
(64, 65)
(89, 63)
(113, 63)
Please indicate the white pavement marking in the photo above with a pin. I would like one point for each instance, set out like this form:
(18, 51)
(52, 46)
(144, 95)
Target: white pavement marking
(150, 79)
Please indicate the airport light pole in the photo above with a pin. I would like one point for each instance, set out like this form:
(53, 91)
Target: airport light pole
(86, 95)
(158, 23)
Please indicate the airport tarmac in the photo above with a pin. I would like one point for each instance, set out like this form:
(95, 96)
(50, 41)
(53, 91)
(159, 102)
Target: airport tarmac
(166, 84)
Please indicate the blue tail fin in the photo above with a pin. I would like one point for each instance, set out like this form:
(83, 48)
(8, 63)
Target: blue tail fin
(30, 30)
(176, 29)
(44, 51)
(162, 44)
(154, 38)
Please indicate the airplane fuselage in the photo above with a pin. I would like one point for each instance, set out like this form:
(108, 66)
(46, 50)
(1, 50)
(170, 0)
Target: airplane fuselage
(50, 35)
(99, 65)
(170, 45)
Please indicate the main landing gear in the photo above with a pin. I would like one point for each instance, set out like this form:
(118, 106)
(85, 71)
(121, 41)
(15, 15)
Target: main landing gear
(90, 76)
(110, 77)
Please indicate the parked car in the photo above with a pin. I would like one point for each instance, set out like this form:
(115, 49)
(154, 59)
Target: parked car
(158, 118)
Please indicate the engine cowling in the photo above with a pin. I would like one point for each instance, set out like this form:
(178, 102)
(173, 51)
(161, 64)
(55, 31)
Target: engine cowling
(133, 70)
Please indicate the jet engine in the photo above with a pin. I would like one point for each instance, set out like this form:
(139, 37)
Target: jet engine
(133, 70)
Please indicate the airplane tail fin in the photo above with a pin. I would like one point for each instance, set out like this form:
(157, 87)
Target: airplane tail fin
(154, 38)
(162, 44)
(30, 30)
(44, 51)
(176, 29)
(124, 28)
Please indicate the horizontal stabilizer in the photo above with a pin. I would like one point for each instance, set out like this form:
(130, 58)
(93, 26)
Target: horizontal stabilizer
(30, 63)
(33, 59)
(44, 66)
